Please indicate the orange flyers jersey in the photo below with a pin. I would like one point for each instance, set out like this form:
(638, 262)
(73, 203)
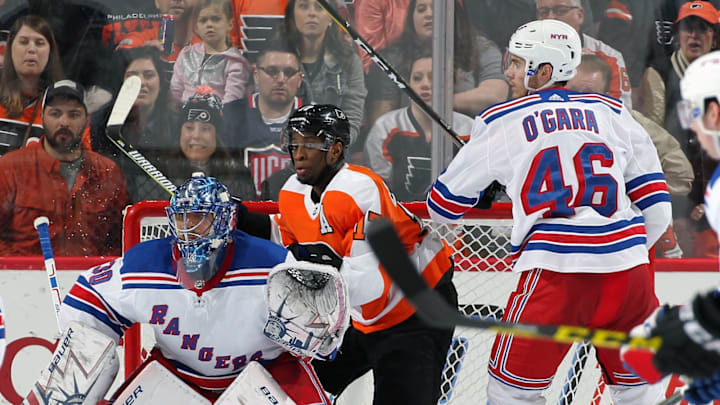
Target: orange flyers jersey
(255, 22)
(353, 197)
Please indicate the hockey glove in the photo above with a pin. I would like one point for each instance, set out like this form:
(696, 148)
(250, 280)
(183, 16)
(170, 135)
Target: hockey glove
(319, 253)
(704, 390)
(691, 337)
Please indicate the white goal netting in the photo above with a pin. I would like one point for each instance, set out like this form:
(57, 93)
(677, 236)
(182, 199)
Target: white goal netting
(483, 281)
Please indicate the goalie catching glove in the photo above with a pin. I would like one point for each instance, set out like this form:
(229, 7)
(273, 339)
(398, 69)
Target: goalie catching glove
(308, 308)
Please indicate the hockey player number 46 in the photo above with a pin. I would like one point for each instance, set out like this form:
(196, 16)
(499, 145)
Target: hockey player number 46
(545, 187)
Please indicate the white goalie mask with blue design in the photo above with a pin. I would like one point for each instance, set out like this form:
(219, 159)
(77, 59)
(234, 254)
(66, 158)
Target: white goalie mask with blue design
(202, 217)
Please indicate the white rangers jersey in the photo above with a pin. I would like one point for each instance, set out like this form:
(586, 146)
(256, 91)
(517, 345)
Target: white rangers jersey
(712, 201)
(209, 334)
(587, 188)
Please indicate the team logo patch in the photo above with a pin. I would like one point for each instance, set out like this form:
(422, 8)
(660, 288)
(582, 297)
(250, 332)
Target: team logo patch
(196, 114)
(264, 162)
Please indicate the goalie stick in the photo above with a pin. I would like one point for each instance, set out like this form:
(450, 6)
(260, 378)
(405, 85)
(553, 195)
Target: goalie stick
(435, 311)
(113, 131)
(41, 225)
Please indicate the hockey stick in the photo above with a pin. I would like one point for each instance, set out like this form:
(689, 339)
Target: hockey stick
(123, 104)
(389, 70)
(41, 224)
(435, 311)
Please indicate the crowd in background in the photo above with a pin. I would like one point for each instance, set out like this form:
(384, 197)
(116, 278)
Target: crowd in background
(219, 84)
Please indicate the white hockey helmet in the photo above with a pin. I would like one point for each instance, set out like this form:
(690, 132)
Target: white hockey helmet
(700, 82)
(547, 41)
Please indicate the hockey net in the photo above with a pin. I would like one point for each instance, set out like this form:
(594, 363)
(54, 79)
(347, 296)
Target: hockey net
(484, 281)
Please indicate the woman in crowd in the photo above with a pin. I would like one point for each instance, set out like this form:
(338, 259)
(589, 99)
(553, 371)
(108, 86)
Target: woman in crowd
(31, 63)
(201, 148)
(479, 82)
(332, 70)
(399, 143)
(147, 128)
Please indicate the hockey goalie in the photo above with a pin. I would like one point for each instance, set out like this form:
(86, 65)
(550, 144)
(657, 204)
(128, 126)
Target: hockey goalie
(236, 319)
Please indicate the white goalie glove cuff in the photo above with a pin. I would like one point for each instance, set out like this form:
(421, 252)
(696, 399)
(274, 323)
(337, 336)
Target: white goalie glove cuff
(308, 308)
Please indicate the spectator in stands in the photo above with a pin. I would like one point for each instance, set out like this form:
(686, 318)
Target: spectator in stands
(593, 76)
(149, 34)
(399, 143)
(573, 13)
(81, 192)
(32, 63)
(202, 149)
(479, 82)
(332, 70)
(148, 127)
(694, 28)
(213, 61)
(254, 125)
(380, 23)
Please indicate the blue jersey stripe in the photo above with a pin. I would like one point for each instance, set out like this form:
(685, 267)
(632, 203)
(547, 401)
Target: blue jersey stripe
(591, 249)
(126, 322)
(649, 201)
(588, 229)
(241, 282)
(441, 211)
(152, 286)
(100, 316)
(458, 199)
(634, 183)
(492, 117)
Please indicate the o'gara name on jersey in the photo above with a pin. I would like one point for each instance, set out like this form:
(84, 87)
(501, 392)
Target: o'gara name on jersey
(559, 119)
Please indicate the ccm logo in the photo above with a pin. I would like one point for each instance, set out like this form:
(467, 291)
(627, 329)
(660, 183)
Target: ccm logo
(558, 36)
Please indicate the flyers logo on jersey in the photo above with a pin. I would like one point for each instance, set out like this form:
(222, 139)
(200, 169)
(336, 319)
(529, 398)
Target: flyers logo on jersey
(264, 162)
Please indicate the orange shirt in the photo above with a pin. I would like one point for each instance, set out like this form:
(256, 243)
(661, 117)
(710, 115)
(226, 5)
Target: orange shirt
(253, 20)
(354, 196)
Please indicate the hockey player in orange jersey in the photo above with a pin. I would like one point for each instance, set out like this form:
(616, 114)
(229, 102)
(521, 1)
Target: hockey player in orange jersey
(324, 208)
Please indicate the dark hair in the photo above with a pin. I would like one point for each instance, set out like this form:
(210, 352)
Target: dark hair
(465, 51)
(10, 96)
(334, 42)
(223, 5)
(422, 52)
(594, 63)
(279, 44)
(128, 56)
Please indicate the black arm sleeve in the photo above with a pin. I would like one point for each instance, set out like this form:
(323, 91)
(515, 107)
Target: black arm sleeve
(253, 223)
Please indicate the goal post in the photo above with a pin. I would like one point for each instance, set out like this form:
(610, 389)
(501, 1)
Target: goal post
(483, 278)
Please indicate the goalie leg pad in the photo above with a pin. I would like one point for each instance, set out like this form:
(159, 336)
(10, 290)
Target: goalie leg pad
(254, 386)
(308, 308)
(156, 384)
(81, 370)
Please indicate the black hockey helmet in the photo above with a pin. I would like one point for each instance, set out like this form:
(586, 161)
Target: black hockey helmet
(323, 120)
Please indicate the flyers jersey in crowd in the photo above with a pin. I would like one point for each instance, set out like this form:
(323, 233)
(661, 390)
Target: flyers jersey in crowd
(354, 196)
(209, 334)
(255, 22)
(586, 183)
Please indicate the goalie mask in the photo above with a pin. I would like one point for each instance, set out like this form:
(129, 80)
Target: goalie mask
(547, 41)
(202, 217)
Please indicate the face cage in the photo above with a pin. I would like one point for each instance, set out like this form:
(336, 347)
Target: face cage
(200, 258)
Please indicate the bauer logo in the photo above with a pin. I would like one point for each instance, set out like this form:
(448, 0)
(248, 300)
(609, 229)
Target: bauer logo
(270, 397)
(558, 36)
(134, 396)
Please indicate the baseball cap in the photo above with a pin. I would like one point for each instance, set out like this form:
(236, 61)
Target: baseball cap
(702, 9)
(65, 88)
(203, 106)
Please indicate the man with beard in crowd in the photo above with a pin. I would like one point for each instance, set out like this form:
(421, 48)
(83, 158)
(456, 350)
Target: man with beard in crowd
(80, 191)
